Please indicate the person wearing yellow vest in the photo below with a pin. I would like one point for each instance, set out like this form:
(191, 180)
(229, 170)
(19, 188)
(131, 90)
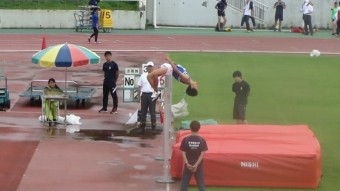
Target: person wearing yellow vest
(51, 107)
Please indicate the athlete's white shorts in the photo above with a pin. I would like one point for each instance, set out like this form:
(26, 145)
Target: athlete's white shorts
(168, 67)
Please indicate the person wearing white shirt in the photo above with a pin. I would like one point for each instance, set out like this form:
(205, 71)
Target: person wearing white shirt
(307, 10)
(146, 101)
(248, 12)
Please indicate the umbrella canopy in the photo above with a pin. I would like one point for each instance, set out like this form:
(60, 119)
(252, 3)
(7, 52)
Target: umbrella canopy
(65, 55)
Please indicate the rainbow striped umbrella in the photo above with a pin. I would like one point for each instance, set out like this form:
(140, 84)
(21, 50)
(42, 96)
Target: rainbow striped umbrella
(65, 55)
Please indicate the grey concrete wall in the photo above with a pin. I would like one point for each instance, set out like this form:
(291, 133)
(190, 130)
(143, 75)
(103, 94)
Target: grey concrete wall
(65, 19)
(194, 13)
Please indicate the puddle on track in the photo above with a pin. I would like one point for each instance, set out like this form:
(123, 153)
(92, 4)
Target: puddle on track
(121, 137)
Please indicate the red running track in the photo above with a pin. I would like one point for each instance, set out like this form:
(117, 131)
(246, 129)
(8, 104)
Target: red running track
(32, 42)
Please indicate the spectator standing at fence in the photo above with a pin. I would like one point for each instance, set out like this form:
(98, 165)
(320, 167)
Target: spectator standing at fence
(146, 91)
(221, 6)
(111, 73)
(193, 148)
(95, 26)
(279, 6)
(248, 13)
(242, 90)
(334, 15)
(307, 10)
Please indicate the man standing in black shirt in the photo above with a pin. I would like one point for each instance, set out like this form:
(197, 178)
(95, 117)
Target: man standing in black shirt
(111, 73)
(193, 148)
(241, 89)
(221, 6)
(279, 6)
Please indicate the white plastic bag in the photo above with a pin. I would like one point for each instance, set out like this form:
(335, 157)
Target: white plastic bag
(180, 109)
(71, 119)
(133, 119)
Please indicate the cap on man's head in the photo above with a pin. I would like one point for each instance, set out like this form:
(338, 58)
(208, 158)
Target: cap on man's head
(150, 64)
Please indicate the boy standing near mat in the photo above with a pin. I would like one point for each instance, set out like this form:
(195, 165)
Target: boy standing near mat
(193, 148)
(111, 73)
(241, 89)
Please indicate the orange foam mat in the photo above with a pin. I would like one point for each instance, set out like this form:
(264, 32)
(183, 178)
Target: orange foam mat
(256, 156)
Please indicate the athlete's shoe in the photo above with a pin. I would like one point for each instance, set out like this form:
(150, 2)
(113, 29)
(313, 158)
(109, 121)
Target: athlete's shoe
(102, 110)
(114, 110)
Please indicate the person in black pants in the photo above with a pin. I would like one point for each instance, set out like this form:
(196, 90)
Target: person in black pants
(307, 9)
(248, 12)
(249, 17)
(95, 26)
(337, 20)
(241, 89)
(111, 73)
(146, 100)
(193, 148)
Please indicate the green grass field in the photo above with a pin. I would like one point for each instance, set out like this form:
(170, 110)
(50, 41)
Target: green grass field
(285, 89)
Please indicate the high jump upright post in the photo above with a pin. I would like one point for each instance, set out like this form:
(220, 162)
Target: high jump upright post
(166, 178)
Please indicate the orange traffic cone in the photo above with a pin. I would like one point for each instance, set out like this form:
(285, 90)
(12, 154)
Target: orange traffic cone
(43, 44)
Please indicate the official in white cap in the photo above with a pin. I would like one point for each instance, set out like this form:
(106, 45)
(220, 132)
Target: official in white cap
(145, 90)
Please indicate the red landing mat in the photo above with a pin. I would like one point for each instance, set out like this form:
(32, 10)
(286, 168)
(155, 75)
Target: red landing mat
(257, 156)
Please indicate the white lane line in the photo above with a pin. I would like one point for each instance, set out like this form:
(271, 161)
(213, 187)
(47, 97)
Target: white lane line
(156, 49)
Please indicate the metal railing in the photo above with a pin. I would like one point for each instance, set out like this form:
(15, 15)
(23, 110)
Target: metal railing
(40, 89)
(259, 8)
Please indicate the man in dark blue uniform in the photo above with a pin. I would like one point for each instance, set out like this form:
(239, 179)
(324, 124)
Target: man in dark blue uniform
(193, 148)
(111, 73)
(279, 6)
(95, 25)
(241, 89)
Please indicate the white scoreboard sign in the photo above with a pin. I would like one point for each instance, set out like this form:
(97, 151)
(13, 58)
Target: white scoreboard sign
(130, 84)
